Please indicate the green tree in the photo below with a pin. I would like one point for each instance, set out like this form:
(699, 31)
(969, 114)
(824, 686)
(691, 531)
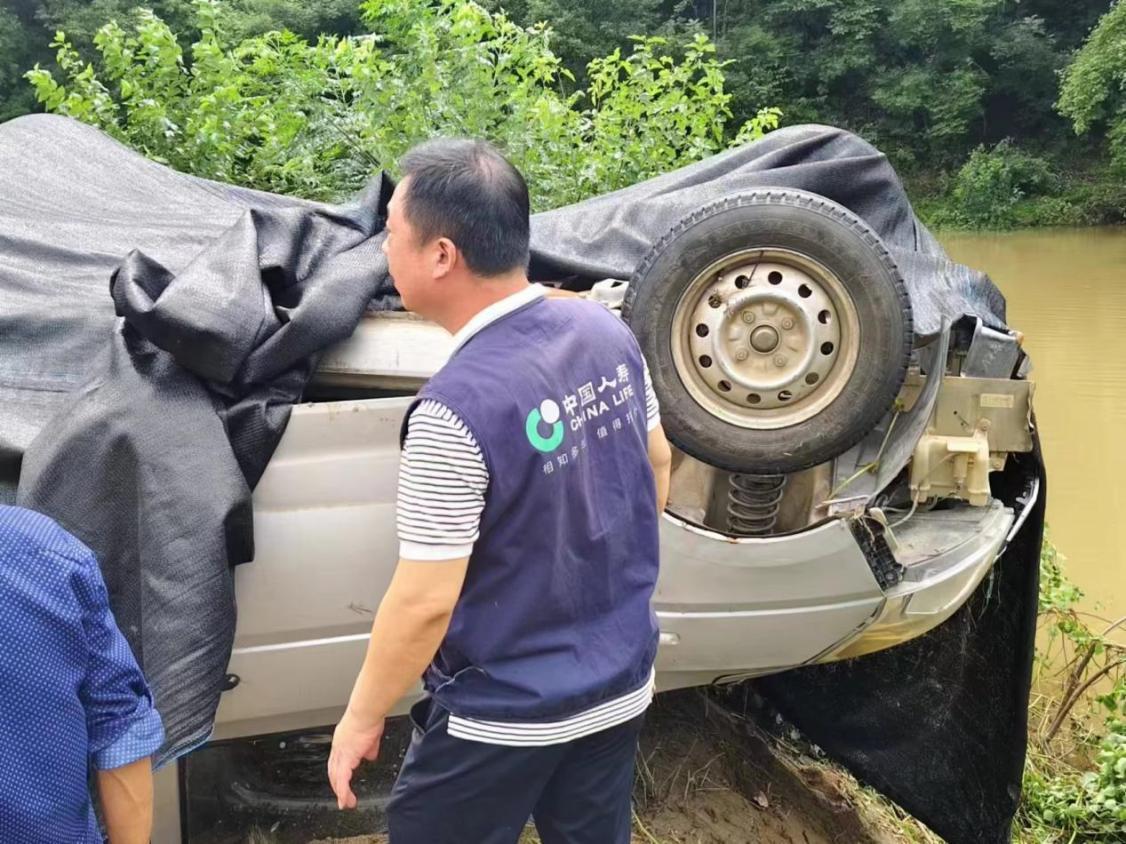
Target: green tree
(14, 99)
(239, 19)
(1068, 22)
(1094, 86)
(236, 19)
(81, 19)
(930, 83)
(819, 54)
(276, 112)
(927, 81)
(588, 29)
(22, 43)
(762, 69)
(1025, 63)
(989, 187)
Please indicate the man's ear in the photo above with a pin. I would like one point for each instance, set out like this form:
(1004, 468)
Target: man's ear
(446, 257)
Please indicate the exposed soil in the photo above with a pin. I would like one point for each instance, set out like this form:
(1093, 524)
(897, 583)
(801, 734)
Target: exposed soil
(709, 777)
(706, 776)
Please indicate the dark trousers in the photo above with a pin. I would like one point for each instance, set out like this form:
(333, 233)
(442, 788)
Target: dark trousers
(454, 791)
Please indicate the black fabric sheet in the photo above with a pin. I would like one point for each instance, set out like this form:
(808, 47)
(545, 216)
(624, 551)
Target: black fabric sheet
(155, 330)
(939, 724)
(607, 236)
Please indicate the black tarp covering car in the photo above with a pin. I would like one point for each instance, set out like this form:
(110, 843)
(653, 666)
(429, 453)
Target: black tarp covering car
(156, 329)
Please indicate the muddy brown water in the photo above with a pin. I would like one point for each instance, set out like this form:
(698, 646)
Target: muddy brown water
(1066, 290)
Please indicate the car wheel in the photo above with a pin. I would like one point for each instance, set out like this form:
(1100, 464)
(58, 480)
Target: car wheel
(777, 329)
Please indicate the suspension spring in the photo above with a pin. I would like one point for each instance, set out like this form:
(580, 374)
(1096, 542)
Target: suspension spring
(753, 502)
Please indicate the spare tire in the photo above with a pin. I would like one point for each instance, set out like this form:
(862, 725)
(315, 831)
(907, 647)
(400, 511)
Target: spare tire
(777, 329)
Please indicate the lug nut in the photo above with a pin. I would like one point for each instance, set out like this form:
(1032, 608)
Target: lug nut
(742, 355)
(748, 317)
(787, 323)
(779, 360)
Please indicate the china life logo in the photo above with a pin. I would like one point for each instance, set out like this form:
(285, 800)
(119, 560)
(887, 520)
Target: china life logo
(544, 416)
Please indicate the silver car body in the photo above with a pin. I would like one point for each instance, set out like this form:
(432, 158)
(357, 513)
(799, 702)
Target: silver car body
(728, 607)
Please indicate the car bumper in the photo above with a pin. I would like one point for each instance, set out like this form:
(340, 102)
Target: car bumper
(730, 608)
(946, 555)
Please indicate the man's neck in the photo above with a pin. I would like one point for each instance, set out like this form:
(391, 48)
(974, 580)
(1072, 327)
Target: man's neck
(486, 292)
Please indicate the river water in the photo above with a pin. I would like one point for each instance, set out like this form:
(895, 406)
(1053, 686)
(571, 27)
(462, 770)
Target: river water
(1066, 290)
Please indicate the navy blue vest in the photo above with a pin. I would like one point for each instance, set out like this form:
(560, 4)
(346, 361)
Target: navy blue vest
(555, 613)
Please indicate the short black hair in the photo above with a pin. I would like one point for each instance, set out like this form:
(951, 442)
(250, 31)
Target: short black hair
(467, 191)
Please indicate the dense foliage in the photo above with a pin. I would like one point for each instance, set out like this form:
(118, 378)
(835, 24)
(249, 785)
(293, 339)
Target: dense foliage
(277, 112)
(927, 81)
(1094, 87)
(991, 183)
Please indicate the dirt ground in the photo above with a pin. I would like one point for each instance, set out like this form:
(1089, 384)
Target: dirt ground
(706, 776)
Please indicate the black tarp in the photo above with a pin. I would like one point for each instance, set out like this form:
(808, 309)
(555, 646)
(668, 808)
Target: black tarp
(155, 331)
(144, 418)
(939, 723)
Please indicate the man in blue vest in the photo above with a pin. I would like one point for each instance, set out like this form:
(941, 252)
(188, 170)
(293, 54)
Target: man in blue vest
(533, 471)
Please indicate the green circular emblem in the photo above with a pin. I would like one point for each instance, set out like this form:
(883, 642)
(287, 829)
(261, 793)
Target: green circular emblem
(546, 414)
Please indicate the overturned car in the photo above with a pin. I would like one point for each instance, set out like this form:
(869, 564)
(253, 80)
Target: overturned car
(843, 401)
(830, 492)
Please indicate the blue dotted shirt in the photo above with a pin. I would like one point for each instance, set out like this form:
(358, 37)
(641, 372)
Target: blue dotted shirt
(71, 695)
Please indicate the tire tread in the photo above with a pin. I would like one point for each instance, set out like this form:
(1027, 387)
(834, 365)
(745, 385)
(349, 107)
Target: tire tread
(813, 203)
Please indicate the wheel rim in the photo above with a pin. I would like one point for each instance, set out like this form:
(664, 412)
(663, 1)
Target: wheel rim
(765, 338)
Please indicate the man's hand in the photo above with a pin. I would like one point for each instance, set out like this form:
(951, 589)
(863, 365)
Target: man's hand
(352, 742)
(409, 626)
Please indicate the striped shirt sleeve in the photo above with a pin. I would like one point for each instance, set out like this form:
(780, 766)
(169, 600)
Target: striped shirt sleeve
(442, 482)
(652, 409)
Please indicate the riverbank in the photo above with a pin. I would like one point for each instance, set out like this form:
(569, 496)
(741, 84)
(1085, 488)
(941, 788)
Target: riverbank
(707, 776)
(1006, 188)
